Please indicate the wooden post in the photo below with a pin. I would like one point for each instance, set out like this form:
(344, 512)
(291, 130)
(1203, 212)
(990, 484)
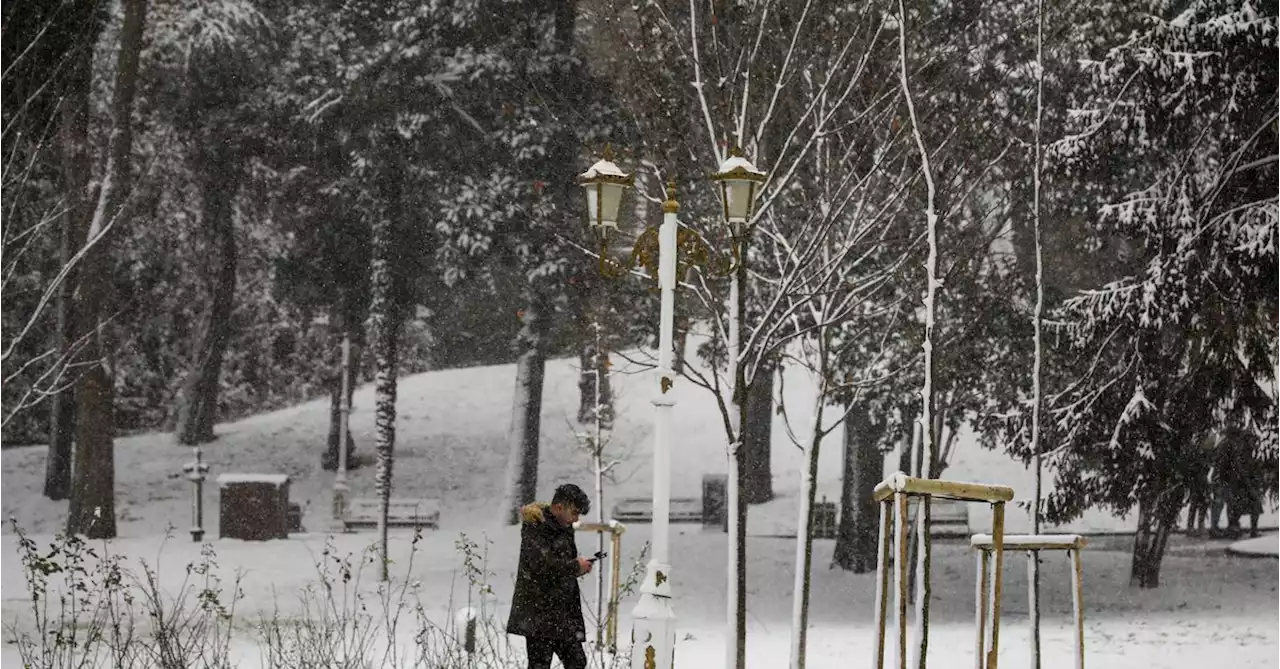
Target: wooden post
(980, 608)
(901, 567)
(616, 548)
(1033, 557)
(882, 581)
(997, 536)
(1077, 601)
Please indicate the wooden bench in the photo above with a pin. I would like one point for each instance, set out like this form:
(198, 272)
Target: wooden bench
(640, 510)
(363, 513)
(947, 518)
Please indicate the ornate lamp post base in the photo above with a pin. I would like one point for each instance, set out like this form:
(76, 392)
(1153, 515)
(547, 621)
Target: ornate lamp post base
(653, 630)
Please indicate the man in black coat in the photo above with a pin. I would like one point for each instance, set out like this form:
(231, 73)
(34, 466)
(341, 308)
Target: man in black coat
(546, 608)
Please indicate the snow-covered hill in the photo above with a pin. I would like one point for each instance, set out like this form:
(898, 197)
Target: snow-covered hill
(451, 444)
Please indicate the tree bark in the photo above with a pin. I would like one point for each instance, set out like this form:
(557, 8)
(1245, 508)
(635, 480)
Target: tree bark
(74, 144)
(385, 315)
(856, 549)
(595, 391)
(92, 511)
(757, 474)
(198, 404)
(804, 535)
(526, 411)
(1156, 520)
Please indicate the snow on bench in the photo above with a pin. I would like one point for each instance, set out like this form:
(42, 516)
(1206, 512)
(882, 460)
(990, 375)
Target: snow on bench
(947, 517)
(640, 510)
(362, 513)
(1031, 542)
(272, 479)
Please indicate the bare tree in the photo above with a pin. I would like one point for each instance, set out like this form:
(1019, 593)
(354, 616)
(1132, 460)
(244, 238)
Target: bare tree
(928, 442)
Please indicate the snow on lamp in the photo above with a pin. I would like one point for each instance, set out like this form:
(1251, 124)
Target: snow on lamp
(740, 183)
(604, 183)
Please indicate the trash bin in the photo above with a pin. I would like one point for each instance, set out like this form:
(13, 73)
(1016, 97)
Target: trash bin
(253, 507)
(715, 500)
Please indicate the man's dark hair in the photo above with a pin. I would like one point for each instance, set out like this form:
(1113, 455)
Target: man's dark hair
(571, 495)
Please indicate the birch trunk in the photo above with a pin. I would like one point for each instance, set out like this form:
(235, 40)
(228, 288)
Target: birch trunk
(1037, 372)
(385, 318)
(804, 532)
(928, 437)
(92, 508)
(73, 141)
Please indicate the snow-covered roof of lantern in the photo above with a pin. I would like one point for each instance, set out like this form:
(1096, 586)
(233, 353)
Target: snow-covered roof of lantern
(736, 166)
(605, 171)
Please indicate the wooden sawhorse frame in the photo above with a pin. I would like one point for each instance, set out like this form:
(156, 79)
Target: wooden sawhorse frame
(893, 494)
(615, 530)
(1032, 544)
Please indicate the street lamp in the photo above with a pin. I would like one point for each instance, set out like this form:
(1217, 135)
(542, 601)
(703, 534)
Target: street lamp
(653, 619)
(739, 184)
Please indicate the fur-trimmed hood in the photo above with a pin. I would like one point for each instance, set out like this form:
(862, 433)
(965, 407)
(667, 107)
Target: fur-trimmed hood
(533, 514)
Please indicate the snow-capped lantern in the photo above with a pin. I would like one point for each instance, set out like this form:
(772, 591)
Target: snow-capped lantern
(740, 183)
(604, 183)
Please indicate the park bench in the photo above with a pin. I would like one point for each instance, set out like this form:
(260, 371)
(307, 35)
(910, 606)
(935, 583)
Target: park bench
(640, 510)
(362, 513)
(947, 518)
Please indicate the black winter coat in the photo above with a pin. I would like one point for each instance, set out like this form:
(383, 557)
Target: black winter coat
(547, 603)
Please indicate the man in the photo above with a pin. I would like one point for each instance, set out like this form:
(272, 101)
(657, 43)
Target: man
(546, 608)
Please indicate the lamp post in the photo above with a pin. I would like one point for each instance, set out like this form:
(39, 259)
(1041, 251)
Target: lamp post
(739, 184)
(653, 619)
(197, 470)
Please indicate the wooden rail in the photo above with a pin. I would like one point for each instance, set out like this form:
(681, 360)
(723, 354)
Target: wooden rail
(615, 530)
(1033, 544)
(894, 496)
(958, 490)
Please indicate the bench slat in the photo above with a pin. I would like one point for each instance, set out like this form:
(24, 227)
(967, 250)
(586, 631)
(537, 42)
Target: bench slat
(401, 512)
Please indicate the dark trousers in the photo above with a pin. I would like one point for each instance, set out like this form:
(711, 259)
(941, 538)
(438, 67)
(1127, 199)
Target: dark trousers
(568, 650)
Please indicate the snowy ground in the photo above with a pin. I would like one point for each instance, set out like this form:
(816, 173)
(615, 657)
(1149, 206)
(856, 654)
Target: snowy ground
(451, 432)
(1210, 608)
(1267, 545)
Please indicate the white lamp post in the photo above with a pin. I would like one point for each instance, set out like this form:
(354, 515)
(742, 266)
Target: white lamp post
(653, 619)
(739, 183)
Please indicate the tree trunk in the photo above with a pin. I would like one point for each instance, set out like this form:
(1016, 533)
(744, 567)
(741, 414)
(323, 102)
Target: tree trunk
(74, 144)
(757, 474)
(385, 315)
(1156, 520)
(526, 412)
(856, 549)
(804, 533)
(595, 391)
(92, 511)
(198, 404)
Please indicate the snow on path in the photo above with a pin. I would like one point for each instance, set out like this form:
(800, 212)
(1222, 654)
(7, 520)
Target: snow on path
(1265, 545)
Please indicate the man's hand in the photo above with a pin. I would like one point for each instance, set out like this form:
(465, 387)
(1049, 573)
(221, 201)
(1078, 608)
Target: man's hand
(584, 566)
